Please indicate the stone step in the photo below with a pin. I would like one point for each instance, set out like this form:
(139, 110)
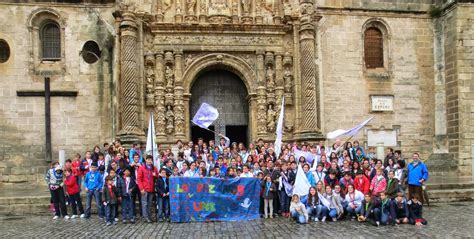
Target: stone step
(451, 195)
(460, 185)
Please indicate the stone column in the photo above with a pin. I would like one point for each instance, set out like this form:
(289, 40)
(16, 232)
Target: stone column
(130, 130)
(160, 121)
(179, 91)
(261, 96)
(310, 120)
(279, 82)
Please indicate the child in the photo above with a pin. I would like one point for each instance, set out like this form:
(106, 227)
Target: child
(392, 185)
(400, 209)
(370, 210)
(354, 200)
(415, 208)
(361, 183)
(298, 210)
(110, 199)
(146, 180)
(54, 179)
(386, 216)
(76, 170)
(333, 204)
(93, 182)
(118, 184)
(313, 205)
(86, 163)
(73, 192)
(319, 174)
(378, 184)
(283, 187)
(127, 188)
(162, 196)
(331, 180)
(268, 189)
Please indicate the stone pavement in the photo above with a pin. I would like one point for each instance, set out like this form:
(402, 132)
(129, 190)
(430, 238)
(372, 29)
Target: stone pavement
(444, 220)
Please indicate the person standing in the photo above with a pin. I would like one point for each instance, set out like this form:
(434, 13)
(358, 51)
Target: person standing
(417, 175)
(145, 181)
(54, 179)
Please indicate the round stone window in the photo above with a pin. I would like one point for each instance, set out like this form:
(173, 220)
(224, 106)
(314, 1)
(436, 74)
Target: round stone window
(4, 51)
(91, 52)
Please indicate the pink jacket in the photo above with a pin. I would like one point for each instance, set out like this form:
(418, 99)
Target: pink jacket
(377, 186)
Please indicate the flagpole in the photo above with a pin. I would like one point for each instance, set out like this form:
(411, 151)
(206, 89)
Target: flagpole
(152, 136)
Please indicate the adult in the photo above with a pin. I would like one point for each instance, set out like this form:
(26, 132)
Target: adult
(417, 175)
(136, 150)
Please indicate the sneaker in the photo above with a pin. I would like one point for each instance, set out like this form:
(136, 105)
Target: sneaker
(83, 215)
(334, 219)
(316, 219)
(108, 224)
(132, 221)
(66, 217)
(55, 217)
(266, 216)
(271, 216)
(116, 219)
(324, 219)
(115, 223)
(101, 218)
(74, 216)
(148, 220)
(377, 223)
(353, 219)
(124, 221)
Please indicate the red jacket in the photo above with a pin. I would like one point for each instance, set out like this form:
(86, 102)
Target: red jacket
(364, 187)
(76, 168)
(146, 178)
(71, 185)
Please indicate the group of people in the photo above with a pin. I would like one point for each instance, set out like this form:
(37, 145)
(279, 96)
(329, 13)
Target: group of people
(346, 180)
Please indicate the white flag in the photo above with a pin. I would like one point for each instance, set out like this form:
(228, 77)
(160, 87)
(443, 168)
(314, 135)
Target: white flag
(302, 185)
(279, 129)
(205, 115)
(350, 132)
(151, 148)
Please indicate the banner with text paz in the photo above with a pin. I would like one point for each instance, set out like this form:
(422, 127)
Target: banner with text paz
(213, 199)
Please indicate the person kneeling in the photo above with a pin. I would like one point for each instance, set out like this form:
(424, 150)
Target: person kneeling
(298, 210)
(415, 207)
(370, 210)
(400, 209)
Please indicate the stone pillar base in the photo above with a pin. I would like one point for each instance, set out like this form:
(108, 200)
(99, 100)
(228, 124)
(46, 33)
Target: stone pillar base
(131, 135)
(442, 164)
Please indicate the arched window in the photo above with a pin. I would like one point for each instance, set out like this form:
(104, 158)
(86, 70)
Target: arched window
(50, 41)
(373, 48)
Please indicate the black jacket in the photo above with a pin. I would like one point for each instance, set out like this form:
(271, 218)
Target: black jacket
(160, 187)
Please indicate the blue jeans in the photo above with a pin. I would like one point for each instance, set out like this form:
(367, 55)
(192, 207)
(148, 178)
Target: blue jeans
(96, 194)
(375, 215)
(127, 211)
(79, 182)
(384, 217)
(299, 217)
(162, 204)
(110, 212)
(353, 211)
(332, 213)
(284, 201)
(315, 211)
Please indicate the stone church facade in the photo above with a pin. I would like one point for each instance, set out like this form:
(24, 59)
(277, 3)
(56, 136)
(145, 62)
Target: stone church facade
(335, 63)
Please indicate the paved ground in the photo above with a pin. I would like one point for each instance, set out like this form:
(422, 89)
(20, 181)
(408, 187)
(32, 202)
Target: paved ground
(445, 220)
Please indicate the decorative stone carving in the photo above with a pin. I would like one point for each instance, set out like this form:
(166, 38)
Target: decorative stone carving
(219, 7)
(188, 60)
(288, 79)
(246, 7)
(271, 118)
(270, 77)
(222, 40)
(261, 117)
(190, 6)
(160, 120)
(179, 118)
(169, 77)
(150, 81)
(169, 120)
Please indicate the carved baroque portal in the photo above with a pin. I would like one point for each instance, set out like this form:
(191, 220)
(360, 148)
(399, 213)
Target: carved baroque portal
(254, 39)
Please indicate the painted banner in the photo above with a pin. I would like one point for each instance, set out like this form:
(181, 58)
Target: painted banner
(213, 199)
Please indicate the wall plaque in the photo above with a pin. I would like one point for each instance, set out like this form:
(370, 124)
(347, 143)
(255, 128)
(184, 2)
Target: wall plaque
(381, 103)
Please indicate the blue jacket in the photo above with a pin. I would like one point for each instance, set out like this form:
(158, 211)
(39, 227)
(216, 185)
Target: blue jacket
(93, 181)
(416, 173)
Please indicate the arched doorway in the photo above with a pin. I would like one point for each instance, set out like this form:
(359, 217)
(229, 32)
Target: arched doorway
(225, 91)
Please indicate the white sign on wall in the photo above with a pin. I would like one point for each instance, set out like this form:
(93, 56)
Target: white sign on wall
(387, 137)
(381, 102)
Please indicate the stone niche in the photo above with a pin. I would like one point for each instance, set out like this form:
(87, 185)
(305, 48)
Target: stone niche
(255, 40)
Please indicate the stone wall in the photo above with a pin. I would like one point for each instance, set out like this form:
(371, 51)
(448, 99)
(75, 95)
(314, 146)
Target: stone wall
(459, 57)
(77, 123)
(408, 75)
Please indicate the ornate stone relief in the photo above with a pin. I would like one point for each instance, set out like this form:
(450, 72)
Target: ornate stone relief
(150, 79)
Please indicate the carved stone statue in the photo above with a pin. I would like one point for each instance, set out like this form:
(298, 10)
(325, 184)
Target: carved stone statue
(150, 77)
(288, 77)
(270, 77)
(179, 119)
(261, 126)
(190, 4)
(246, 4)
(169, 76)
(271, 115)
(160, 119)
(169, 120)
